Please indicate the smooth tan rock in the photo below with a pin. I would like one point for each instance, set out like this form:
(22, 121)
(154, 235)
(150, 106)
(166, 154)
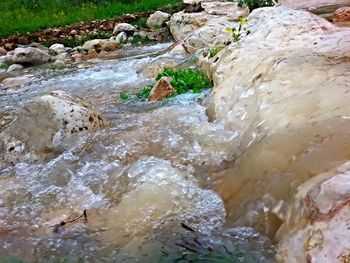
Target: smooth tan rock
(162, 89)
(14, 67)
(56, 49)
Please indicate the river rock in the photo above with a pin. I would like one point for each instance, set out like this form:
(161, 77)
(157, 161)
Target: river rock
(342, 15)
(59, 64)
(317, 230)
(225, 8)
(28, 55)
(52, 122)
(121, 38)
(56, 49)
(62, 56)
(158, 18)
(123, 27)
(15, 82)
(3, 51)
(101, 45)
(162, 89)
(14, 67)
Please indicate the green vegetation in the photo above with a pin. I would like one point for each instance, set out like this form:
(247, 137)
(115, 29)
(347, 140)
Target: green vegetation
(185, 80)
(4, 65)
(144, 93)
(213, 51)
(141, 22)
(22, 16)
(236, 32)
(123, 95)
(253, 4)
(157, 27)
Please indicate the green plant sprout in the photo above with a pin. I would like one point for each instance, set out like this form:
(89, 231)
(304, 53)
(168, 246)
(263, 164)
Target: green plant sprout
(237, 32)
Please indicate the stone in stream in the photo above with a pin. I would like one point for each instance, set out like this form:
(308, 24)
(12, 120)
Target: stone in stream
(158, 18)
(121, 38)
(162, 89)
(50, 123)
(16, 82)
(28, 55)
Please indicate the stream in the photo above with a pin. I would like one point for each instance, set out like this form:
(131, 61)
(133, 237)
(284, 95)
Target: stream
(138, 180)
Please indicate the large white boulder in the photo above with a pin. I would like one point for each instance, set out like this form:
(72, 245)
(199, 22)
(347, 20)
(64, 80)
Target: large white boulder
(56, 49)
(158, 18)
(28, 55)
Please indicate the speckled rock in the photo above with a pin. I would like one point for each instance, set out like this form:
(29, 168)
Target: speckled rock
(28, 55)
(318, 227)
(46, 126)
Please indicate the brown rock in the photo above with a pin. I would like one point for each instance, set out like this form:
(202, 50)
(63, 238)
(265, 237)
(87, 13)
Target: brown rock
(77, 57)
(3, 51)
(92, 53)
(23, 41)
(342, 15)
(162, 89)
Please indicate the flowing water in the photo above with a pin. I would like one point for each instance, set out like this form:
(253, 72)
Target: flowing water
(138, 179)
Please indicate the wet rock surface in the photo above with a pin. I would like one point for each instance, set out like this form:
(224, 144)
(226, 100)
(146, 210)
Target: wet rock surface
(162, 89)
(28, 55)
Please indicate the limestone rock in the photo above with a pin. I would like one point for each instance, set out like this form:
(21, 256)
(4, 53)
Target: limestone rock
(62, 56)
(56, 49)
(28, 55)
(14, 67)
(123, 27)
(3, 51)
(16, 82)
(101, 45)
(158, 18)
(91, 54)
(52, 122)
(121, 38)
(162, 89)
(324, 201)
(342, 15)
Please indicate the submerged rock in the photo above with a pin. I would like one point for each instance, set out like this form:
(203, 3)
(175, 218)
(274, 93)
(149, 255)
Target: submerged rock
(28, 55)
(51, 123)
(158, 18)
(162, 89)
